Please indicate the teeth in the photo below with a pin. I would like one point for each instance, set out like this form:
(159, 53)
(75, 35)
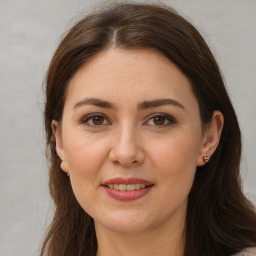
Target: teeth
(122, 187)
(137, 186)
(128, 187)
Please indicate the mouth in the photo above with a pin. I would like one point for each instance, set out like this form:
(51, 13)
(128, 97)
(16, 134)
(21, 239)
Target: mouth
(127, 187)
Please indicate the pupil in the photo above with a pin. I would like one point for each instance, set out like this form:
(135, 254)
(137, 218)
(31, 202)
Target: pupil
(98, 120)
(159, 120)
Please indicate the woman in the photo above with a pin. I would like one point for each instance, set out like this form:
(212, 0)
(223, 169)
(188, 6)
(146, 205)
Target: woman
(144, 142)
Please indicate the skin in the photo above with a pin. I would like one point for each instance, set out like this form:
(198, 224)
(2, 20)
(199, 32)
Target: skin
(132, 141)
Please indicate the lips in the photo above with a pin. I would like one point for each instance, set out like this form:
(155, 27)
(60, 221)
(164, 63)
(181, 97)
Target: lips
(127, 189)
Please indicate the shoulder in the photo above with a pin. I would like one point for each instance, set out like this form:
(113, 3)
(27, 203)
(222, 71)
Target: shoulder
(247, 252)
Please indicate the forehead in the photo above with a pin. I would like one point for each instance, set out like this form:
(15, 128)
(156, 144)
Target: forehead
(129, 75)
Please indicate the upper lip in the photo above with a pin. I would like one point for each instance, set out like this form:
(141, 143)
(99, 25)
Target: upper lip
(127, 181)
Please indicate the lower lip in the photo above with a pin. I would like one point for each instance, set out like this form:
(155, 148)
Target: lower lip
(127, 195)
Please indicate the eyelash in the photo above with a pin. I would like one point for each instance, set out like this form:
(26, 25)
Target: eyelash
(167, 118)
(90, 117)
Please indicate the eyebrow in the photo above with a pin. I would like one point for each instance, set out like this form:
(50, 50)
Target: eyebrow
(158, 103)
(95, 102)
(143, 105)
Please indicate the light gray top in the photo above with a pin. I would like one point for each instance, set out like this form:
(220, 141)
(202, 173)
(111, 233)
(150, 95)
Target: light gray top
(247, 252)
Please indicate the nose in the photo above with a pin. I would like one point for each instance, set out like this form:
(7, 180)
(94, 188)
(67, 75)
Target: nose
(126, 150)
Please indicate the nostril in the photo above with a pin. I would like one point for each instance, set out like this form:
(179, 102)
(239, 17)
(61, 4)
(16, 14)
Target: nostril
(125, 162)
(116, 162)
(126, 154)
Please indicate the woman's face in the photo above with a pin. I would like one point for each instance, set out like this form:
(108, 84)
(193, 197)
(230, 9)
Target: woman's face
(131, 140)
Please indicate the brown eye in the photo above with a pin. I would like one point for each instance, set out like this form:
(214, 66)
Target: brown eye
(95, 120)
(98, 120)
(159, 120)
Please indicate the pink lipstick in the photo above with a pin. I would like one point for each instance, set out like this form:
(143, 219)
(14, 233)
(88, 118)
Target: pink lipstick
(127, 189)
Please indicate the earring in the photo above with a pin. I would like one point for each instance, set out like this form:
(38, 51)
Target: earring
(206, 159)
(68, 174)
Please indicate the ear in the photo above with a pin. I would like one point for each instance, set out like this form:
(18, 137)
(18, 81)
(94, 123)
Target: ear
(211, 137)
(56, 130)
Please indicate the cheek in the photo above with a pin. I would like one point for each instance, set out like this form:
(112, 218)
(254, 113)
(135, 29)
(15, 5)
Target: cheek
(176, 161)
(85, 159)
(179, 152)
(85, 156)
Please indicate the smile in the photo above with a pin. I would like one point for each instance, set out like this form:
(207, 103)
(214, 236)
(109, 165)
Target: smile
(126, 187)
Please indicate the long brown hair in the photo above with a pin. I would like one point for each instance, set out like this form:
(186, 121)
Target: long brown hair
(220, 220)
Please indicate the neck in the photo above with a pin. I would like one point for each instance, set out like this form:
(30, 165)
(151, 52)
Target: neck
(158, 241)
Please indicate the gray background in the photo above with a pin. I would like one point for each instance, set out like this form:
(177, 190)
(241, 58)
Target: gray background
(29, 32)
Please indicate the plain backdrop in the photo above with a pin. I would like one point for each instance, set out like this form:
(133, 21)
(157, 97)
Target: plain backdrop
(29, 33)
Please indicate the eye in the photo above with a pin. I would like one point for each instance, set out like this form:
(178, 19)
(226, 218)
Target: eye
(95, 119)
(161, 120)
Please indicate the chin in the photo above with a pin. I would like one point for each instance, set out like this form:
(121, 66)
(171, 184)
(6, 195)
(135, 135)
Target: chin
(128, 223)
(127, 228)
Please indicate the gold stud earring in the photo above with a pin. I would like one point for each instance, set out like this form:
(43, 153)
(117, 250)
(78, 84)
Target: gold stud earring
(206, 159)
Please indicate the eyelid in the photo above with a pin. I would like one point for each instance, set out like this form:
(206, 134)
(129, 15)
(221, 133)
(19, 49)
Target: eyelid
(88, 117)
(168, 117)
(85, 120)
